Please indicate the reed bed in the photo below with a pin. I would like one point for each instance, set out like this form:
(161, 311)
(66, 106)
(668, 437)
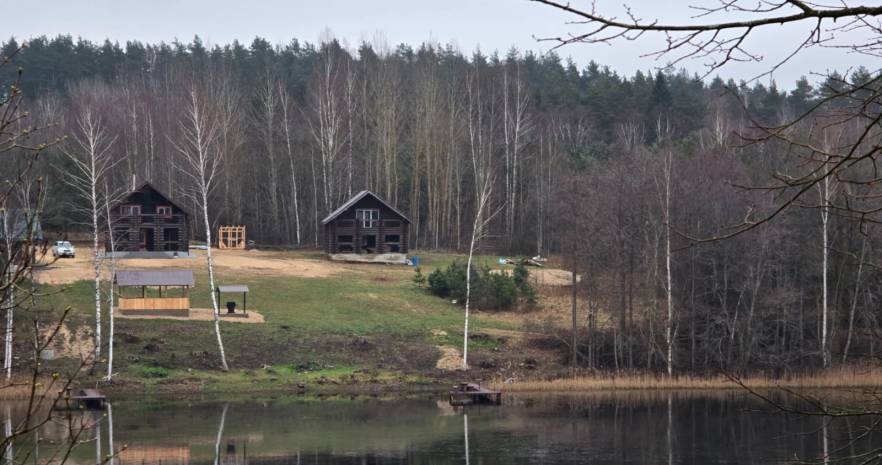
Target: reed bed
(836, 378)
(21, 389)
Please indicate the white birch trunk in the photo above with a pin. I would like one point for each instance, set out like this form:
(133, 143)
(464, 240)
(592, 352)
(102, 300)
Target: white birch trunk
(110, 294)
(825, 219)
(216, 313)
(197, 147)
(96, 264)
(9, 300)
(669, 337)
(285, 102)
(465, 333)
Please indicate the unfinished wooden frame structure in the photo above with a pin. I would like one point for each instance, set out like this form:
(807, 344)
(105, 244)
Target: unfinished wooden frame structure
(231, 237)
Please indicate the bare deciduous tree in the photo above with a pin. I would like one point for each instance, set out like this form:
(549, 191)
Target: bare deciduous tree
(202, 161)
(92, 159)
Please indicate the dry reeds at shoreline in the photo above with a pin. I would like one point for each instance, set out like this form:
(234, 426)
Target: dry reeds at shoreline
(836, 378)
(21, 389)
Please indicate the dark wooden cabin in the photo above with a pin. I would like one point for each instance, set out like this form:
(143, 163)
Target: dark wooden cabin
(365, 224)
(147, 220)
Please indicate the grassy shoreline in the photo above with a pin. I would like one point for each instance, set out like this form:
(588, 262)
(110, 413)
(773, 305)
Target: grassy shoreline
(239, 383)
(837, 378)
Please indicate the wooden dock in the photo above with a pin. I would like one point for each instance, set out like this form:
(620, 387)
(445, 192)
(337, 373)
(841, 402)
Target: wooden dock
(472, 393)
(90, 399)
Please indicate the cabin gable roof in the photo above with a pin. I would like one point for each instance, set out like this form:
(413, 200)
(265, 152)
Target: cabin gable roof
(147, 187)
(357, 198)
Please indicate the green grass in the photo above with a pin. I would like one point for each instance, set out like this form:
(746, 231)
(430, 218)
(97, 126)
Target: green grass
(372, 322)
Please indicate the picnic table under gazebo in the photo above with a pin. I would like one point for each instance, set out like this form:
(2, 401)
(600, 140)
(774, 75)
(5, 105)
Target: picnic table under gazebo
(231, 305)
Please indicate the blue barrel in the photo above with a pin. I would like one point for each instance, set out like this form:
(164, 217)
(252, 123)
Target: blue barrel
(415, 260)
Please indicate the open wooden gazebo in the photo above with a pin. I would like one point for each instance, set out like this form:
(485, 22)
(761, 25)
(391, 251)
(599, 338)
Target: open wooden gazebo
(163, 292)
(234, 289)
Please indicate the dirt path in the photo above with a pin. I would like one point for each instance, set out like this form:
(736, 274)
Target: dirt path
(70, 270)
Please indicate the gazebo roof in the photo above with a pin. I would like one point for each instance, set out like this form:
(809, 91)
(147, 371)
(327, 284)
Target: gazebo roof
(154, 278)
(233, 288)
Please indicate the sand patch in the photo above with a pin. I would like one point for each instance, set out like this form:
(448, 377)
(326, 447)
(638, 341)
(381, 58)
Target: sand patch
(196, 314)
(275, 263)
(540, 277)
(67, 343)
(255, 262)
(450, 360)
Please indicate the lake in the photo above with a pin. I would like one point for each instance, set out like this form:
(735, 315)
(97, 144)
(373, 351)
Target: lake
(726, 427)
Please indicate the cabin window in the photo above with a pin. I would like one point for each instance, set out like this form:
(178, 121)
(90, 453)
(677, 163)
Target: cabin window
(392, 238)
(344, 239)
(164, 210)
(391, 224)
(370, 218)
(130, 210)
(346, 224)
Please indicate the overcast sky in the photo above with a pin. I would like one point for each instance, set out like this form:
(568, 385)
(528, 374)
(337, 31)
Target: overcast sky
(488, 24)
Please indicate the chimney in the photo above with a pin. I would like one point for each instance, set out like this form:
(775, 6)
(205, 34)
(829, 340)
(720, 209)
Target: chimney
(134, 179)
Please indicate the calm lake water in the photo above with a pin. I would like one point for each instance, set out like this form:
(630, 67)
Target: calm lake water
(600, 428)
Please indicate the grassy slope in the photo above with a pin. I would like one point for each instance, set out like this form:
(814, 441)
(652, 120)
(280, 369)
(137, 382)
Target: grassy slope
(371, 324)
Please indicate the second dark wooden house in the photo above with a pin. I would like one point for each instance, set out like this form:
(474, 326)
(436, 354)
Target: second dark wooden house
(146, 220)
(366, 224)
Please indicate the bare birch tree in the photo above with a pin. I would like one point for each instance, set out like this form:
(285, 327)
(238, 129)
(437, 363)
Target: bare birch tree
(9, 295)
(826, 189)
(92, 159)
(480, 142)
(286, 105)
(202, 161)
(516, 126)
(267, 107)
(327, 122)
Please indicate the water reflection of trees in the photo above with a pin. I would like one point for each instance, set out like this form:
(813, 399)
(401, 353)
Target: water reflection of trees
(670, 427)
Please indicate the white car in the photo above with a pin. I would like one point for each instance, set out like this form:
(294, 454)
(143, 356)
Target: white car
(63, 249)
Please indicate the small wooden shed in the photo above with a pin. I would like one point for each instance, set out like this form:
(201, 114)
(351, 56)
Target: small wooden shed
(169, 292)
(366, 224)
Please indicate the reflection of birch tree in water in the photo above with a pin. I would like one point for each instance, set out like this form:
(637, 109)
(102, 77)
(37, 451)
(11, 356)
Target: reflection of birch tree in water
(465, 433)
(98, 441)
(220, 433)
(670, 433)
(111, 457)
(7, 434)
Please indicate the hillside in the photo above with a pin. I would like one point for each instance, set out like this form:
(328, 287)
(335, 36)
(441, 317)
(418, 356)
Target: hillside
(326, 323)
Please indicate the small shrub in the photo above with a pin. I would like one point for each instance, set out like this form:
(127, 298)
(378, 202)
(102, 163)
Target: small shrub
(521, 278)
(490, 290)
(438, 283)
(154, 372)
(418, 277)
(520, 275)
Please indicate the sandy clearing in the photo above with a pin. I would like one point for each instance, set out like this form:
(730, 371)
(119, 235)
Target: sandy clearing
(450, 359)
(548, 276)
(196, 314)
(70, 270)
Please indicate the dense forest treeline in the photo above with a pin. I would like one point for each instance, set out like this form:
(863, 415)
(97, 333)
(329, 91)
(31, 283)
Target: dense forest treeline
(618, 174)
